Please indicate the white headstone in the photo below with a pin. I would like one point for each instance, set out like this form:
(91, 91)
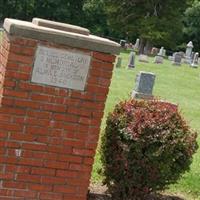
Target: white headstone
(195, 63)
(61, 68)
(188, 52)
(137, 45)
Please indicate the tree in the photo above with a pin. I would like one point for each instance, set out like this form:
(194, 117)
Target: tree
(192, 24)
(69, 11)
(156, 22)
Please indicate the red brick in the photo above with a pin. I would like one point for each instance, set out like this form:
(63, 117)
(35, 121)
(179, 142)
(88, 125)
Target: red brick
(83, 152)
(31, 162)
(36, 147)
(43, 171)
(104, 57)
(66, 173)
(88, 161)
(6, 176)
(56, 165)
(70, 158)
(54, 108)
(58, 149)
(39, 187)
(65, 189)
(36, 130)
(10, 126)
(7, 101)
(27, 104)
(80, 167)
(17, 75)
(24, 42)
(18, 169)
(31, 87)
(25, 194)
(22, 137)
(14, 111)
(51, 196)
(39, 114)
(28, 51)
(9, 83)
(74, 143)
(28, 178)
(53, 180)
(14, 185)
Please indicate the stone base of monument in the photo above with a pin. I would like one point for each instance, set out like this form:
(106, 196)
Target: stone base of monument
(138, 95)
(159, 60)
(187, 60)
(143, 58)
(131, 66)
(176, 63)
(194, 65)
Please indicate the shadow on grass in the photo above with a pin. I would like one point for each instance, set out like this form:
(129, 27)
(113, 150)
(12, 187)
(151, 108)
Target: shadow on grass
(93, 196)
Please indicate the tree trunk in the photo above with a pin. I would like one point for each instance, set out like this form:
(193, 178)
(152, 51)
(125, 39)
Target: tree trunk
(142, 45)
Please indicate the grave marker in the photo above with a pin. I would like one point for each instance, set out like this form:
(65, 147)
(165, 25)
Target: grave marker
(188, 52)
(195, 63)
(131, 63)
(119, 62)
(177, 59)
(144, 85)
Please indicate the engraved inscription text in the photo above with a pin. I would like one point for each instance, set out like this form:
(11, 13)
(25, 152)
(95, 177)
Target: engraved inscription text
(61, 68)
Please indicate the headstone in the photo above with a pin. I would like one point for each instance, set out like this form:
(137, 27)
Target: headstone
(195, 63)
(171, 58)
(192, 56)
(188, 52)
(143, 58)
(137, 45)
(182, 54)
(154, 51)
(177, 59)
(123, 43)
(159, 58)
(161, 52)
(199, 61)
(119, 62)
(144, 85)
(131, 63)
(164, 52)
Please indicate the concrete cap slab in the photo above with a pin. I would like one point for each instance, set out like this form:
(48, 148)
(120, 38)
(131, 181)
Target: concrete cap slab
(60, 26)
(32, 31)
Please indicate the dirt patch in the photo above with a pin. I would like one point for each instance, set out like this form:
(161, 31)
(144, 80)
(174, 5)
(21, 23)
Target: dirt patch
(99, 192)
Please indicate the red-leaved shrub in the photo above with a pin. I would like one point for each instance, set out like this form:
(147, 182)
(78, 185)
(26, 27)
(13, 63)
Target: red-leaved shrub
(146, 146)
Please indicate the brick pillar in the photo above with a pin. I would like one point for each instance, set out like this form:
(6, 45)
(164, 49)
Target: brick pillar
(49, 129)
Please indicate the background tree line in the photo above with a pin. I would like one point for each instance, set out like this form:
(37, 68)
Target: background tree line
(169, 23)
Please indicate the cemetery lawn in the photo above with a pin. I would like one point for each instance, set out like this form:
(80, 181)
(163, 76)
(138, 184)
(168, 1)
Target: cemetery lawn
(179, 85)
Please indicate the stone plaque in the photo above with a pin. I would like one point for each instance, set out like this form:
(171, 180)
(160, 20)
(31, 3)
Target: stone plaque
(61, 68)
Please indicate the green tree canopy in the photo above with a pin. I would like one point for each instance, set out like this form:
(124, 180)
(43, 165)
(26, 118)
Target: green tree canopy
(192, 24)
(156, 21)
(69, 11)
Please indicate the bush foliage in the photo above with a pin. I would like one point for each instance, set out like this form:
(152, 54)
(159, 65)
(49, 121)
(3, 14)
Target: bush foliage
(147, 145)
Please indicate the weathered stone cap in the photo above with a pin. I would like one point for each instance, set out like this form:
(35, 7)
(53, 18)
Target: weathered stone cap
(29, 30)
(60, 26)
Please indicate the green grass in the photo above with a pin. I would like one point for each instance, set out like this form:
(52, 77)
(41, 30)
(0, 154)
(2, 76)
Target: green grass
(180, 85)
